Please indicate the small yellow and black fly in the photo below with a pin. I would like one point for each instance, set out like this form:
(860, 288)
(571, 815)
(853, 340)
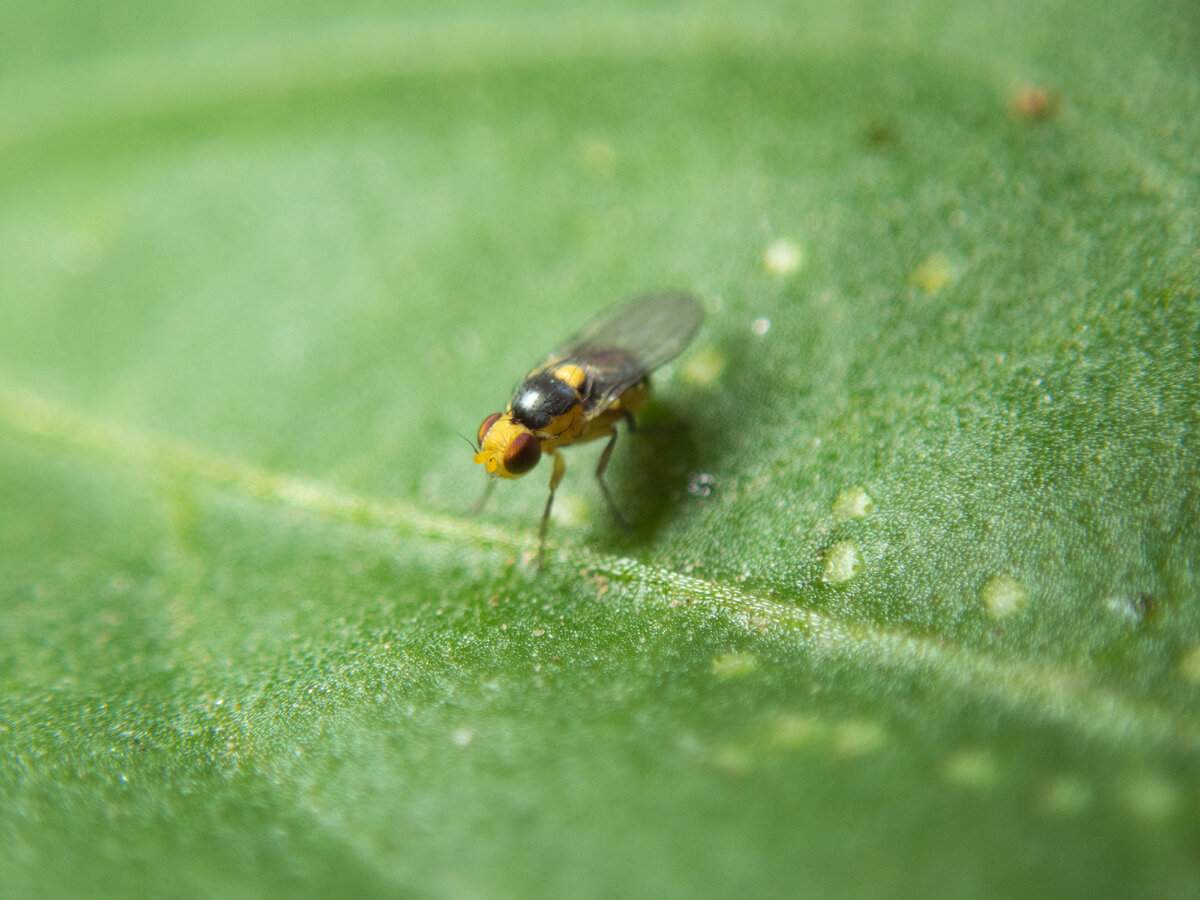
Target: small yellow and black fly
(597, 378)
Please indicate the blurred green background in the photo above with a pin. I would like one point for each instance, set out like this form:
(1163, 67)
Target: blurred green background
(909, 606)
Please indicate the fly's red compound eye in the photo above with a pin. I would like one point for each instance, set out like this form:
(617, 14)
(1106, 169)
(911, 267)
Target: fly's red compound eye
(486, 427)
(522, 454)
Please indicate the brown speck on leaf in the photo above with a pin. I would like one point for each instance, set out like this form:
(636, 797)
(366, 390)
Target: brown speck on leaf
(1033, 103)
(881, 134)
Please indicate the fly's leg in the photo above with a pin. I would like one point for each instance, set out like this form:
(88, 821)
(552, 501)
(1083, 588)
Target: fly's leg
(604, 457)
(556, 476)
(478, 505)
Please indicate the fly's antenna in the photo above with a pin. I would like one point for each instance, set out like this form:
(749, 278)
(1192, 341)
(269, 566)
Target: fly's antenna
(470, 443)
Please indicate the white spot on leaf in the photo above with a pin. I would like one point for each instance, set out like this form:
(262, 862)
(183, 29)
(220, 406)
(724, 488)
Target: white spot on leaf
(1003, 597)
(853, 503)
(842, 562)
(783, 257)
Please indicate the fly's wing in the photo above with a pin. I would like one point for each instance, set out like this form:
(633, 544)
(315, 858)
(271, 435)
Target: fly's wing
(623, 344)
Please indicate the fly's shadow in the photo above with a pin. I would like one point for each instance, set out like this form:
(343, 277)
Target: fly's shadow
(649, 475)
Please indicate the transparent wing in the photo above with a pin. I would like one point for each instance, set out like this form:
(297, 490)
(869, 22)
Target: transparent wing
(624, 344)
(651, 328)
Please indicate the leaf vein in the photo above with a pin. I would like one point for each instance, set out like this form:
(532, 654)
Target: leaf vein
(1055, 695)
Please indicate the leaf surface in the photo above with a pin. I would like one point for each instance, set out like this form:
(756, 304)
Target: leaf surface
(910, 601)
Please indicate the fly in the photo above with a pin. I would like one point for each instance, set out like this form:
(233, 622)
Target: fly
(597, 378)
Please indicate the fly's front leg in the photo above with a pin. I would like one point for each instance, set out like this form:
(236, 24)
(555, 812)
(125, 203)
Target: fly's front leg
(604, 457)
(556, 476)
(479, 504)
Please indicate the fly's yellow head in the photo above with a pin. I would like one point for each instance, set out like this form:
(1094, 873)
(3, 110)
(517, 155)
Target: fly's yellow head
(506, 448)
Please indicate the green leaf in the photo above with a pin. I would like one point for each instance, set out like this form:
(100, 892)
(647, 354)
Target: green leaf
(909, 606)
